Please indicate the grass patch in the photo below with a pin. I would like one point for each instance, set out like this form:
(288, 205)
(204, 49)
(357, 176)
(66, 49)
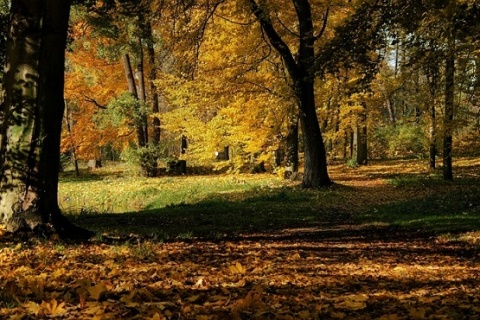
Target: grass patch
(443, 207)
(257, 210)
(228, 205)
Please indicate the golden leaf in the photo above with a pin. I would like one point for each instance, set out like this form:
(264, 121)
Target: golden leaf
(97, 291)
(128, 299)
(200, 284)
(94, 308)
(355, 302)
(338, 315)
(237, 268)
(53, 307)
(305, 314)
(389, 317)
(417, 313)
(156, 316)
(193, 298)
(33, 307)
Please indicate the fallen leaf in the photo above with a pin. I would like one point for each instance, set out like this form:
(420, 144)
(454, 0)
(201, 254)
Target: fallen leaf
(417, 313)
(33, 307)
(355, 302)
(54, 308)
(97, 291)
(237, 268)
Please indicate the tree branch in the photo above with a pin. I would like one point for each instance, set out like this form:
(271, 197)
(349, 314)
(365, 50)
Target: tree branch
(91, 100)
(324, 26)
(274, 38)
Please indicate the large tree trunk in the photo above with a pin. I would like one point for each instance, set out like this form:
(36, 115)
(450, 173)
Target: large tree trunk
(31, 117)
(315, 173)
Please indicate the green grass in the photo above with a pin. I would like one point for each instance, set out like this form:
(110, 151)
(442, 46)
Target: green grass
(446, 207)
(457, 212)
(220, 215)
(100, 192)
(219, 206)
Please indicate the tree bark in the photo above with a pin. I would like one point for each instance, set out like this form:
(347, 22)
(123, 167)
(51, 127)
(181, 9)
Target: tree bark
(153, 89)
(141, 91)
(291, 141)
(432, 76)
(359, 148)
(433, 139)
(31, 117)
(449, 99)
(68, 122)
(315, 173)
(132, 88)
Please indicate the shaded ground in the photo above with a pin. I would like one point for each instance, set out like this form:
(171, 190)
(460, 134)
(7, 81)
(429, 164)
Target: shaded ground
(372, 247)
(336, 273)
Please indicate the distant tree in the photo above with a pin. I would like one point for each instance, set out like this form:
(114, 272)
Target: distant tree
(31, 117)
(441, 48)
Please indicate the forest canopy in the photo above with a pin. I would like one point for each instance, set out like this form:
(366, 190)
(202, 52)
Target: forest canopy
(208, 73)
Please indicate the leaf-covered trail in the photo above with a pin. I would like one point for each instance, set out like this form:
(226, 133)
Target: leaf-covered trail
(335, 272)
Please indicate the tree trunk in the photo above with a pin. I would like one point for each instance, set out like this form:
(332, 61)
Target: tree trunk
(315, 173)
(132, 88)
(147, 158)
(142, 95)
(449, 101)
(153, 89)
(68, 122)
(391, 109)
(432, 76)
(359, 147)
(433, 139)
(31, 117)
(291, 140)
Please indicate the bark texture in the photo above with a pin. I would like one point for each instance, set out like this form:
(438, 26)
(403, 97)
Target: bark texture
(31, 117)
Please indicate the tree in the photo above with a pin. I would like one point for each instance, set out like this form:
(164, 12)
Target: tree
(126, 32)
(299, 67)
(31, 117)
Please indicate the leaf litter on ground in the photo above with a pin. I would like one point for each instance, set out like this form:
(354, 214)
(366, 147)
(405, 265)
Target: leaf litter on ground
(337, 270)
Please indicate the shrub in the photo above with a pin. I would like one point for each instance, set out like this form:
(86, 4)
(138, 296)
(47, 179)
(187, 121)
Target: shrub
(402, 140)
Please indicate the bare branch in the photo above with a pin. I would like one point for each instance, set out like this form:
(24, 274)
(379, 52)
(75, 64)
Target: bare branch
(91, 100)
(324, 26)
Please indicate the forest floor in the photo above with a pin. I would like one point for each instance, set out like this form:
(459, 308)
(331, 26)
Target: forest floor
(388, 241)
